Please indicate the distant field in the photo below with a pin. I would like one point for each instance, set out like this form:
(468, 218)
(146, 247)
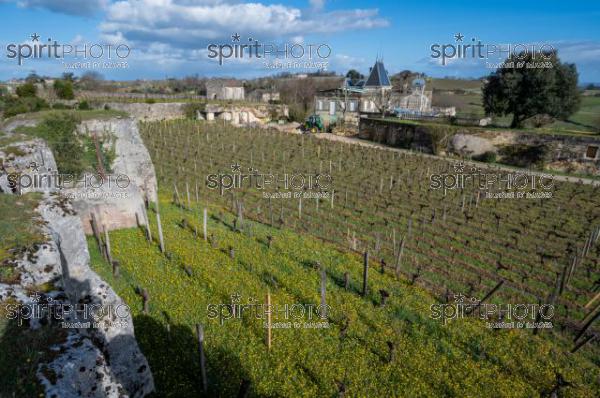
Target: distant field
(469, 104)
(455, 84)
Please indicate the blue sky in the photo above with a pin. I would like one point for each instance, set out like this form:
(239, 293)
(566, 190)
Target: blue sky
(169, 38)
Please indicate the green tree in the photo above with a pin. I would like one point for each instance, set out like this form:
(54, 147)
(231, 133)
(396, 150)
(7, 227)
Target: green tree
(64, 89)
(354, 75)
(26, 90)
(532, 84)
(69, 76)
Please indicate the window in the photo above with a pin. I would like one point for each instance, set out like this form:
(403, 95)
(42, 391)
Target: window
(332, 108)
(592, 152)
(319, 105)
(352, 106)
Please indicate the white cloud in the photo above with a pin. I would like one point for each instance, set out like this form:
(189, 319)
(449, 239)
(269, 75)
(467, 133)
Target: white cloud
(579, 52)
(317, 4)
(183, 23)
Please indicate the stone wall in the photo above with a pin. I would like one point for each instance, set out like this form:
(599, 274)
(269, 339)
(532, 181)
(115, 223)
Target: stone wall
(118, 205)
(402, 135)
(244, 114)
(143, 111)
(565, 152)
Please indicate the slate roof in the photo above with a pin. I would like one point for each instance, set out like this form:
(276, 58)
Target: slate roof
(378, 77)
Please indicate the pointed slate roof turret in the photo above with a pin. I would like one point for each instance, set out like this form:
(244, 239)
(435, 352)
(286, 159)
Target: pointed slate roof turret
(378, 77)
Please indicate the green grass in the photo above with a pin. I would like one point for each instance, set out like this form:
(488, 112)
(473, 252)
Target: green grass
(586, 121)
(463, 358)
(76, 113)
(455, 84)
(23, 350)
(19, 225)
(13, 150)
(379, 192)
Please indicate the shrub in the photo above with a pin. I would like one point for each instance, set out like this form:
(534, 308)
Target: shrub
(297, 113)
(15, 106)
(74, 153)
(488, 157)
(440, 135)
(59, 132)
(15, 109)
(192, 108)
(84, 106)
(64, 89)
(526, 156)
(26, 90)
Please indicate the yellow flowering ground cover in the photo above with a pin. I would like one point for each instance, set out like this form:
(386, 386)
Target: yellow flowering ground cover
(429, 359)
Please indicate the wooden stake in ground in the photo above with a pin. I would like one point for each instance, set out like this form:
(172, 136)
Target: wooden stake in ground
(200, 335)
(365, 273)
(107, 243)
(187, 191)
(586, 326)
(204, 225)
(177, 195)
(399, 258)
(160, 233)
(589, 304)
(323, 291)
(268, 312)
(145, 300)
(147, 221)
(582, 343)
(96, 232)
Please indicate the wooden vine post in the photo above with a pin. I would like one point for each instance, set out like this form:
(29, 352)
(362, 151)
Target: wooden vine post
(365, 273)
(200, 335)
(323, 292)
(268, 312)
(204, 224)
(107, 244)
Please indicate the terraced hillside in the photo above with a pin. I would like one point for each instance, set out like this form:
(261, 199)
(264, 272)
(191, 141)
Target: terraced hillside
(370, 349)
(448, 241)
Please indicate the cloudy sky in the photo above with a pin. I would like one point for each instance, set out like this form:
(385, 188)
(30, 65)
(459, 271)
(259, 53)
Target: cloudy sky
(170, 38)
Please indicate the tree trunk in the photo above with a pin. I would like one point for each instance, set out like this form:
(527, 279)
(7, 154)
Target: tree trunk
(516, 122)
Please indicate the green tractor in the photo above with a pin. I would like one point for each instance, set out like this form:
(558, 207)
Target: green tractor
(313, 124)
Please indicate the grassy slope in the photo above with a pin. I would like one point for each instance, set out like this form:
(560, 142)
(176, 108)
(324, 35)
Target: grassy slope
(463, 358)
(18, 227)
